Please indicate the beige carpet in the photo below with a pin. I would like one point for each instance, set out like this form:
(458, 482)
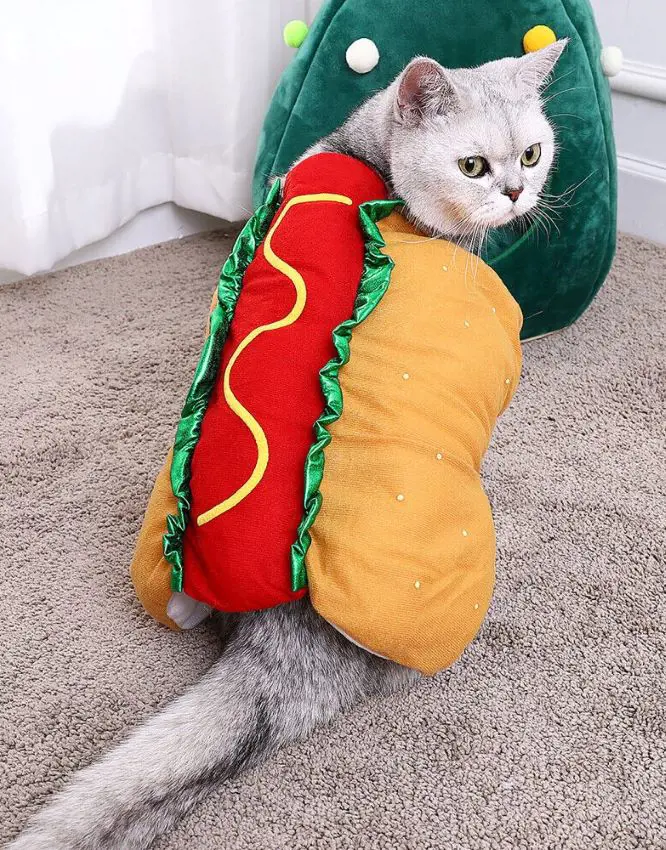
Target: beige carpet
(550, 733)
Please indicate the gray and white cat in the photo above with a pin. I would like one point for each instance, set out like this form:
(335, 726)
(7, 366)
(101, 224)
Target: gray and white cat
(467, 150)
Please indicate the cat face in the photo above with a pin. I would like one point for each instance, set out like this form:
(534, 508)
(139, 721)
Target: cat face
(471, 149)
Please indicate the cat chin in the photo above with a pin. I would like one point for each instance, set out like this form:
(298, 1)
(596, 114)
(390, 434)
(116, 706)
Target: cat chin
(508, 217)
(498, 220)
(513, 214)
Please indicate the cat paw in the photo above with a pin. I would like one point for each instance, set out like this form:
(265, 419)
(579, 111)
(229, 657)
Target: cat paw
(187, 612)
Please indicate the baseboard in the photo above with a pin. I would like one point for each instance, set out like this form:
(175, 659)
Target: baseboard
(156, 224)
(641, 80)
(149, 227)
(642, 197)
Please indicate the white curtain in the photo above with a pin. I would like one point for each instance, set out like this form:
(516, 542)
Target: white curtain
(108, 107)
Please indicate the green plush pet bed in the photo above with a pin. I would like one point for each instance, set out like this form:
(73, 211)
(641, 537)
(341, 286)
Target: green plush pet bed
(553, 276)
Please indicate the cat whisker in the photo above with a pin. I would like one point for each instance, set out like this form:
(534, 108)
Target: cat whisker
(565, 198)
(547, 223)
(418, 241)
(530, 224)
(553, 210)
(556, 209)
(535, 222)
(558, 79)
(547, 217)
(478, 236)
(484, 236)
(471, 252)
(465, 239)
(462, 231)
(568, 115)
(547, 100)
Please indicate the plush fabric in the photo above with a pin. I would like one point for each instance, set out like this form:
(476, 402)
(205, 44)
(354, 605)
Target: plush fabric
(402, 558)
(150, 570)
(336, 426)
(554, 277)
(255, 398)
(194, 410)
(240, 560)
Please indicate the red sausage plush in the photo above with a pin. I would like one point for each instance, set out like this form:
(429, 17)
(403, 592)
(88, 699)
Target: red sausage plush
(245, 511)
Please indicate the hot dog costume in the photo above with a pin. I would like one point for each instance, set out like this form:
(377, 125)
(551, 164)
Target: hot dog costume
(332, 438)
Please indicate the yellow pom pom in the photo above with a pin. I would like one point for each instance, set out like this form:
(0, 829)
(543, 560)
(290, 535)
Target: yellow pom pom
(537, 38)
(294, 33)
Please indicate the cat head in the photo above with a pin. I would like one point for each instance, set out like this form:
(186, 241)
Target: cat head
(471, 149)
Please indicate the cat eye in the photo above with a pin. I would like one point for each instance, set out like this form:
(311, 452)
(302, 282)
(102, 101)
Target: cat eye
(531, 156)
(473, 166)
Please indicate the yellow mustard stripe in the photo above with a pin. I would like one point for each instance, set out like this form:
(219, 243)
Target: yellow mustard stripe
(254, 427)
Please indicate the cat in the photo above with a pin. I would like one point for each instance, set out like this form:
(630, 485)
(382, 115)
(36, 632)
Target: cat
(467, 150)
(424, 134)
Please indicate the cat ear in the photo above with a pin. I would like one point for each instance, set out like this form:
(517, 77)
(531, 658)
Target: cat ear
(424, 88)
(535, 68)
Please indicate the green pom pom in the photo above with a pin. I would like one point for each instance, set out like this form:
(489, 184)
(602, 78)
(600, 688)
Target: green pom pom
(294, 33)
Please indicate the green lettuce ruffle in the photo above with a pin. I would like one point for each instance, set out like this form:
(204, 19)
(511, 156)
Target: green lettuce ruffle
(375, 280)
(189, 427)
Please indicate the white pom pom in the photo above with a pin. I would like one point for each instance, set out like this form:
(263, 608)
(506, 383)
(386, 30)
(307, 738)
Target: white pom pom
(362, 55)
(612, 61)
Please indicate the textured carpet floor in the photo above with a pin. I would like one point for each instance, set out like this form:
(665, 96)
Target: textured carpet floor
(550, 733)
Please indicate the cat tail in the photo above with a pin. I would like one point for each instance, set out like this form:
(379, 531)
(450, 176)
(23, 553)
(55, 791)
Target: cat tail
(141, 788)
(283, 672)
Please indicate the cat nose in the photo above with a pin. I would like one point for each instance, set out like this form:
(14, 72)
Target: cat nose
(514, 194)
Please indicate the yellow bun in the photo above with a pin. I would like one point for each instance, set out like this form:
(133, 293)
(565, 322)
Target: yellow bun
(402, 558)
(150, 570)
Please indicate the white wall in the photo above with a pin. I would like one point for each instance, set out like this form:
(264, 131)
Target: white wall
(637, 26)
(639, 101)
